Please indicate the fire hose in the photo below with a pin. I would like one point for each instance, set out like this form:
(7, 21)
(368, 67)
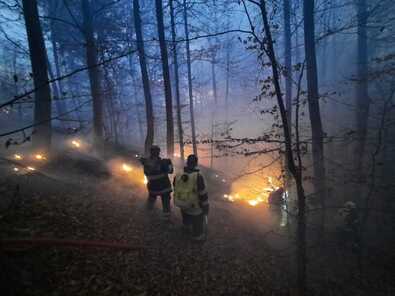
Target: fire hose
(84, 244)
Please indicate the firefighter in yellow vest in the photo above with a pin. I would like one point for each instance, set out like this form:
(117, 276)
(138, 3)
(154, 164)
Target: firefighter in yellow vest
(157, 171)
(191, 197)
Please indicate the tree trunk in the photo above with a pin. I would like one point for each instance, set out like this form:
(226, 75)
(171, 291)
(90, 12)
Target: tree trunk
(177, 82)
(94, 73)
(42, 107)
(166, 79)
(362, 95)
(55, 90)
(314, 106)
(149, 140)
(295, 171)
(215, 94)
(288, 61)
(192, 115)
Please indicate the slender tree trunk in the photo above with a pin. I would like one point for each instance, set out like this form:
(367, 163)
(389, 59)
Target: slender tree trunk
(314, 106)
(166, 79)
(149, 140)
(94, 73)
(362, 94)
(295, 171)
(215, 94)
(55, 90)
(42, 107)
(288, 61)
(15, 70)
(227, 81)
(176, 82)
(191, 109)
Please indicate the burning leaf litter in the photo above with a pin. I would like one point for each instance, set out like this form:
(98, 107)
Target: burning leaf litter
(252, 190)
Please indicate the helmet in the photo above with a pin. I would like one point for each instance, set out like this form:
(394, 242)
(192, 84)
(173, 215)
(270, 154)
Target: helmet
(155, 150)
(192, 161)
(350, 205)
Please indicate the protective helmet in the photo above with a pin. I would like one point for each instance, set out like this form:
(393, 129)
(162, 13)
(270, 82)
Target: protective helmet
(155, 150)
(350, 205)
(192, 161)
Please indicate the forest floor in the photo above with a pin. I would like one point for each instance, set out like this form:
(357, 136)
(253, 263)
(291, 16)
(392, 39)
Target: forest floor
(62, 201)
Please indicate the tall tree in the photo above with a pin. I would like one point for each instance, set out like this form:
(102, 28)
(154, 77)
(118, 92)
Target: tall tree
(362, 95)
(296, 171)
(176, 80)
(38, 58)
(288, 60)
(313, 104)
(191, 108)
(166, 79)
(149, 140)
(93, 70)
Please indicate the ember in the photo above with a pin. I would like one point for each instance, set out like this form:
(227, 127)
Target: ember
(127, 168)
(76, 144)
(29, 168)
(18, 157)
(39, 157)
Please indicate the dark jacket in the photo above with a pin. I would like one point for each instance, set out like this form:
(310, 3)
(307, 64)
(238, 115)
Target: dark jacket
(157, 171)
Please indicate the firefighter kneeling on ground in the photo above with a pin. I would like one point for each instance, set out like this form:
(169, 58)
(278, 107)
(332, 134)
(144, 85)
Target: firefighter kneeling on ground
(191, 197)
(157, 172)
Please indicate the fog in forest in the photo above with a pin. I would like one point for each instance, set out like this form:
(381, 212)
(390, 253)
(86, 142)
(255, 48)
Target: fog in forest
(289, 96)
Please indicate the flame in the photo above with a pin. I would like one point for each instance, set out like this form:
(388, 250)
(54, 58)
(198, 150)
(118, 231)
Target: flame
(253, 202)
(18, 157)
(76, 143)
(254, 190)
(29, 168)
(145, 181)
(127, 168)
(39, 157)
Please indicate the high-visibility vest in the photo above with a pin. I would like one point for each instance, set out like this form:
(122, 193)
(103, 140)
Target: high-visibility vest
(186, 195)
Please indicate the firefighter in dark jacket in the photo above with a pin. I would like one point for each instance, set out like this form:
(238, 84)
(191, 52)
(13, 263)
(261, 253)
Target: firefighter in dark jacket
(157, 172)
(191, 197)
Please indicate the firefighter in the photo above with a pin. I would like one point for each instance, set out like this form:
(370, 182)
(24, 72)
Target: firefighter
(349, 230)
(191, 197)
(157, 172)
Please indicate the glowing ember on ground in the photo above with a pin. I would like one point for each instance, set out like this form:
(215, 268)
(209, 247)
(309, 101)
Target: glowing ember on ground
(39, 157)
(76, 144)
(18, 156)
(29, 168)
(127, 168)
(253, 202)
(16, 170)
